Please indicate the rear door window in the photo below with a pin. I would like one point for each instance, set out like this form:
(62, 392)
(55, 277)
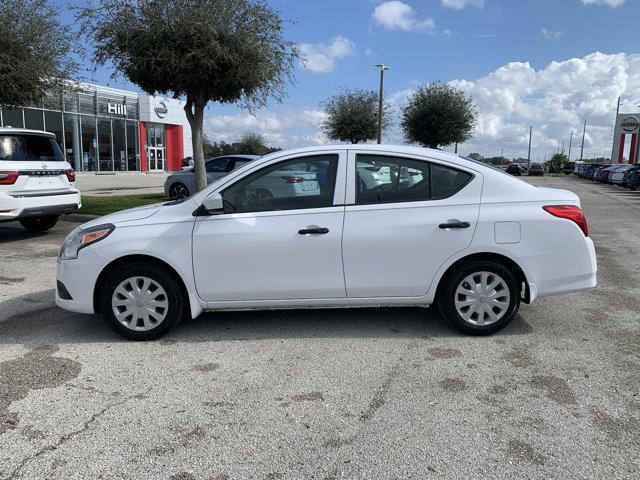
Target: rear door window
(29, 148)
(218, 165)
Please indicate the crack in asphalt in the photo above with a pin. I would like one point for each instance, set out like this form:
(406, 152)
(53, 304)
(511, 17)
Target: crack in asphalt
(69, 436)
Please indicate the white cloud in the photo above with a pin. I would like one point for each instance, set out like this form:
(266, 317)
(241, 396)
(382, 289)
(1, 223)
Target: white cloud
(555, 99)
(369, 53)
(460, 4)
(322, 57)
(285, 128)
(547, 34)
(397, 15)
(608, 3)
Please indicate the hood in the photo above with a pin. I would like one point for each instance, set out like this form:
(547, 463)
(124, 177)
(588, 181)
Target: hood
(132, 214)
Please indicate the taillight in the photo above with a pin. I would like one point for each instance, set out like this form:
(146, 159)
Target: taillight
(8, 178)
(570, 212)
(71, 175)
(293, 179)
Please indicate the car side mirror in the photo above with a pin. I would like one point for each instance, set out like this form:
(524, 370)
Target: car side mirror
(213, 204)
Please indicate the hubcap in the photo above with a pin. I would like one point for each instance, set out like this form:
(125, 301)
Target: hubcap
(140, 303)
(482, 298)
(180, 191)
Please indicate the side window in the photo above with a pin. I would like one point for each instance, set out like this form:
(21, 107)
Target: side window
(305, 182)
(446, 182)
(240, 163)
(218, 165)
(385, 179)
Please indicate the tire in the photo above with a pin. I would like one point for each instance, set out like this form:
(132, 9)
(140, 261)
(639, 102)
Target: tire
(170, 301)
(39, 224)
(178, 191)
(476, 269)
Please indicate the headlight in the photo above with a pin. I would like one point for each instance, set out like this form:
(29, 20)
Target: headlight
(80, 238)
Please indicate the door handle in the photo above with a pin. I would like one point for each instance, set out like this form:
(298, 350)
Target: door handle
(455, 225)
(313, 231)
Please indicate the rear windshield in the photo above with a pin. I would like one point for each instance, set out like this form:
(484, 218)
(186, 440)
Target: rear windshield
(30, 148)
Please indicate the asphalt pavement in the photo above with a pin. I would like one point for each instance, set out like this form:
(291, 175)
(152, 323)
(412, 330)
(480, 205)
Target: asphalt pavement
(346, 393)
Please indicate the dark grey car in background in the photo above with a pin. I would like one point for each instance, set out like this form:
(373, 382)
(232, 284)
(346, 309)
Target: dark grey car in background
(183, 184)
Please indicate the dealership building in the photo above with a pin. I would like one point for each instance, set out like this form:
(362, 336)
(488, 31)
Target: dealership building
(626, 138)
(103, 129)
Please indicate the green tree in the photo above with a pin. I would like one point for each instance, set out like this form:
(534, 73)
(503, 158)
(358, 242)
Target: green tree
(34, 52)
(351, 115)
(475, 156)
(438, 114)
(557, 161)
(204, 51)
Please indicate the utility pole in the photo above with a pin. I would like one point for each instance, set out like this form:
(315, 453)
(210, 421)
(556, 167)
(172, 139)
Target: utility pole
(618, 107)
(570, 142)
(529, 154)
(584, 131)
(562, 151)
(382, 68)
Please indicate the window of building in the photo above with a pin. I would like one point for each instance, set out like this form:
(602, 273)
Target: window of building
(119, 145)
(386, 179)
(72, 141)
(104, 145)
(133, 156)
(12, 117)
(89, 144)
(33, 119)
(53, 124)
(306, 182)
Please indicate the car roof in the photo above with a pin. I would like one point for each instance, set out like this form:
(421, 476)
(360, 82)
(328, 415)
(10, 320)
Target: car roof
(11, 130)
(249, 157)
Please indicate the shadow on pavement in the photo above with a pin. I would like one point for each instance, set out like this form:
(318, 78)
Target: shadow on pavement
(35, 320)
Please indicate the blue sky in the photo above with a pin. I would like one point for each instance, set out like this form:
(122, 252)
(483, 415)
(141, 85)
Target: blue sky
(522, 61)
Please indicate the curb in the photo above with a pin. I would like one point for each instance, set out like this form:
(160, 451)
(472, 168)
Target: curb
(79, 217)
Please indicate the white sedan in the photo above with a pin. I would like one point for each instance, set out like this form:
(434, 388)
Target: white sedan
(475, 239)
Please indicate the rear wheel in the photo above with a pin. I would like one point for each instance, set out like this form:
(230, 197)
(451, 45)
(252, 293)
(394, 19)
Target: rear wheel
(480, 298)
(178, 191)
(142, 301)
(39, 224)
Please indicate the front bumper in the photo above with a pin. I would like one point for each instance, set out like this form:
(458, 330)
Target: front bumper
(15, 208)
(79, 277)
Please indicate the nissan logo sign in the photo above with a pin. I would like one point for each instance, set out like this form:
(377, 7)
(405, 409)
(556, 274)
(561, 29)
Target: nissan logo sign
(629, 124)
(161, 109)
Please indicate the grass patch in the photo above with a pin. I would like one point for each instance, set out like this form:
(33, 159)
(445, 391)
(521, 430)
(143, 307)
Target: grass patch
(103, 205)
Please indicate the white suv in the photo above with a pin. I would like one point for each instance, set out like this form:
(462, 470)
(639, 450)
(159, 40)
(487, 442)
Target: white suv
(36, 182)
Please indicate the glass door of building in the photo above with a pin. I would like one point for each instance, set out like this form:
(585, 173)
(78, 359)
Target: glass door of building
(156, 159)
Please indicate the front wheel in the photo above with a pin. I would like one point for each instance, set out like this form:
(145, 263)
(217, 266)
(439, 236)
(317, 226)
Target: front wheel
(480, 298)
(178, 191)
(142, 301)
(39, 224)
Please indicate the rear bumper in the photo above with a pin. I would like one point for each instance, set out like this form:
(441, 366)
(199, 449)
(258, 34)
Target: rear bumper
(15, 208)
(565, 273)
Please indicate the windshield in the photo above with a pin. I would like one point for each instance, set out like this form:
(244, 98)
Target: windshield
(30, 148)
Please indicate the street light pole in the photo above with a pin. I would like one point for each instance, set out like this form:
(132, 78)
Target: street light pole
(584, 131)
(382, 68)
(529, 154)
(570, 142)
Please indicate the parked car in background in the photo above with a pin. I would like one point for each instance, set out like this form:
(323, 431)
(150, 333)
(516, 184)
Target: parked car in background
(615, 177)
(603, 173)
(183, 184)
(536, 170)
(492, 242)
(633, 181)
(514, 169)
(568, 168)
(36, 182)
(628, 174)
